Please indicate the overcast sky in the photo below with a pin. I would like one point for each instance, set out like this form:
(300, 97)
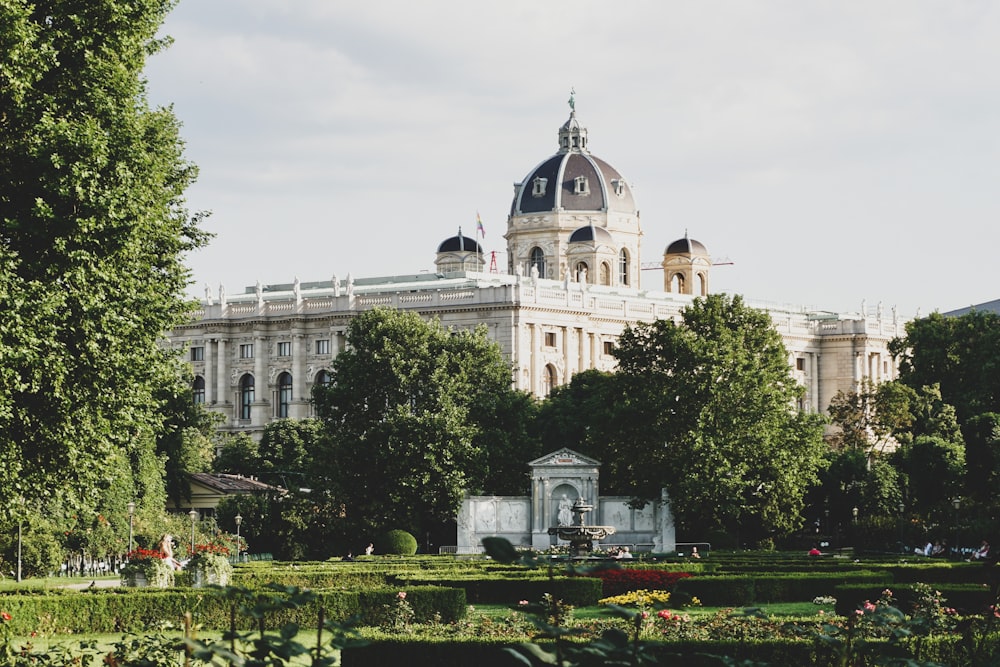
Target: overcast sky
(832, 151)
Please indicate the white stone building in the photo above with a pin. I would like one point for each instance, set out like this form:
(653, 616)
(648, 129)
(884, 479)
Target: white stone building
(571, 285)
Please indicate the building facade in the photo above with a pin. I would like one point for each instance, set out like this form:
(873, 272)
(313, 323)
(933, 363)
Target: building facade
(570, 287)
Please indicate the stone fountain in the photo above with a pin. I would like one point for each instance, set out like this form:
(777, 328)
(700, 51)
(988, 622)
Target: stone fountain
(574, 529)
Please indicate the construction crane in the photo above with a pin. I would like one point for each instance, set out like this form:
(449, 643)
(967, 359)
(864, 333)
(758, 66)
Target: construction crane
(658, 266)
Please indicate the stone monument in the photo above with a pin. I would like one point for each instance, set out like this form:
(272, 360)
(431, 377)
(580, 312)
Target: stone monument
(558, 480)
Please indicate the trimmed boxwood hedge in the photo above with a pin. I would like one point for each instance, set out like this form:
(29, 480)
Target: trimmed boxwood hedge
(491, 654)
(135, 610)
(721, 591)
(577, 591)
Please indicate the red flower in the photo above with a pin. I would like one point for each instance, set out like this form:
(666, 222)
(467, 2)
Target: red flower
(617, 582)
(5, 616)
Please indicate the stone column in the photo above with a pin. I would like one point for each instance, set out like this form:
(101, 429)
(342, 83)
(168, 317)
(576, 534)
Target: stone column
(814, 382)
(567, 358)
(259, 411)
(209, 372)
(222, 375)
(536, 355)
(300, 394)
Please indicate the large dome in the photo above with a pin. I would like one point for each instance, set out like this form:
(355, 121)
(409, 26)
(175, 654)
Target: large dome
(573, 180)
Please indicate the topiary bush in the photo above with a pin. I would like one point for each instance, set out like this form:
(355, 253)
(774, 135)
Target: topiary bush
(397, 543)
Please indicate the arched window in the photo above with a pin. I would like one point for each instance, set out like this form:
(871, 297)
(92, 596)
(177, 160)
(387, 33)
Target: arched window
(323, 378)
(623, 277)
(677, 283)
(284, 394)
(549, 380)
(581, 272)
(702, 284)
(537, 261)
(246, 395)
(198, 388)
(605, 273)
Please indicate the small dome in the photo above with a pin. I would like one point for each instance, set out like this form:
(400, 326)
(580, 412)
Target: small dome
(592, 234)
(460, 243)
(686, 246)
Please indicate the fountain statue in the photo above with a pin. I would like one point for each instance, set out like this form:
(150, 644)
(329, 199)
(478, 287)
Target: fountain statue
(579, 535)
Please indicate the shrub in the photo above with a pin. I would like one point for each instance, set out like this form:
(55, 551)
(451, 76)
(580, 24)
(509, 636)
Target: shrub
(577, 591)
(396, 542)
(616, 582)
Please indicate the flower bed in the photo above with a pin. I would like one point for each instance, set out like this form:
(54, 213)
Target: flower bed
(148, 567)
(209, 565)
(616, 582)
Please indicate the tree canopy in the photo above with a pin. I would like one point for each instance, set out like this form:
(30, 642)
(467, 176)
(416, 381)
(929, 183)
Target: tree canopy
(959, 354)
(92, 234)
(712, 402)
(406, 420)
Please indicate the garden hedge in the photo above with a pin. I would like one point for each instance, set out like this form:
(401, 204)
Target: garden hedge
(135, 610)
(577, 591)
(491, 654)
(724, 591)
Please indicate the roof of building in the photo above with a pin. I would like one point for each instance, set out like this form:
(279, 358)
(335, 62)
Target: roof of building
(987, 307)
(553, 185)
(230, 484)
(590, 233)
(460, 243)
(686, 245)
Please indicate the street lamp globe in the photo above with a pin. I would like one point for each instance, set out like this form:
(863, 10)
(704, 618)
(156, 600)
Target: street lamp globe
(131, 518)
(239, 520)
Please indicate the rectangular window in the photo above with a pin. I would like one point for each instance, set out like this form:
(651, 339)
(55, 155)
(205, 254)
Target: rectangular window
(197, 354)
(800, 364)
(246, 351)
(284, 349)
(550, 339)
(323, 346)
(609, 348)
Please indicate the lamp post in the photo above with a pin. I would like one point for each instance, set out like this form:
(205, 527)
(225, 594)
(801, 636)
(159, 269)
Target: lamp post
(239, 519)
(131, 517)
(902, 545)
(194, 517)
(20, 523)
(854, 525)
(956, 502)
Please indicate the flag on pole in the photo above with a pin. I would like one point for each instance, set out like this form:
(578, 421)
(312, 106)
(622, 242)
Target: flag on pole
(479, 225)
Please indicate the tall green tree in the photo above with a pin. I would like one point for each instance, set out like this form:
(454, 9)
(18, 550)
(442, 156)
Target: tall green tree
(92, 235)
(715, 424)
(403, 423)
(959, 354)
(239, 455)
(873, 415)
(186, 438)
(286, 451)
(982, 458)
